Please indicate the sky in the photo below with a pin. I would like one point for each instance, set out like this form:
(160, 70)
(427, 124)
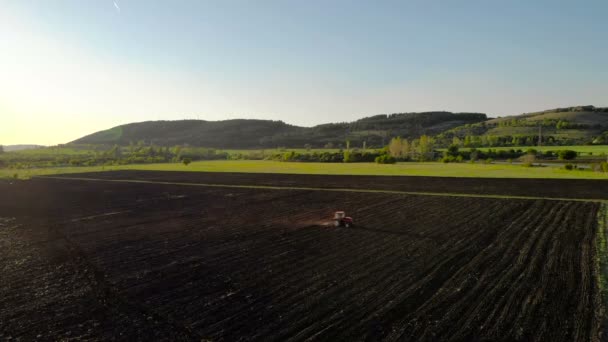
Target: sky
(69, 67)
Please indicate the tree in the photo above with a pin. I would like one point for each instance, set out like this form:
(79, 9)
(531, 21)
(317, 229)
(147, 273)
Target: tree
(515, 141)
(425, 147)
(453, 150)
(561, 124)
(187, 161)
(493, 140)
(177, 151)
(115, 152)
(152, 151)
(406, 148)
(456, 141)
(476, 140)
(1, 149)
(395, 147)
(131, 147)
(414, 146)
(467, 141)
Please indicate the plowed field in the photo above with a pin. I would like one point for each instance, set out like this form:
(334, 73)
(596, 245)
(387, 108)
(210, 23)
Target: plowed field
(126, 261)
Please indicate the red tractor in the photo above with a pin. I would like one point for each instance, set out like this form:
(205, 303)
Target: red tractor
(341, 220)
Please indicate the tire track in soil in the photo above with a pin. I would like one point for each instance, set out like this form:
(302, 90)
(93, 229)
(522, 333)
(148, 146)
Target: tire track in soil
(340, 291)
(386, 289)
(525, 263)
(115, 304)
(382, 309)
(504, 262)
(403, 324)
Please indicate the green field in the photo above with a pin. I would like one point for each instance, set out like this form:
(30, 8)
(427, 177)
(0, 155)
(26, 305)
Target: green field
(399, 169)
(583, 149)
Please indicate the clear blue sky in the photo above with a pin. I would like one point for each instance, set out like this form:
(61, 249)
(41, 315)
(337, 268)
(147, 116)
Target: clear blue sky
(70, 68)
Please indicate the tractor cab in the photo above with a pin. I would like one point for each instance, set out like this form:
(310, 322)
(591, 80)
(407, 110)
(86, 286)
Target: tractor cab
(341, 220)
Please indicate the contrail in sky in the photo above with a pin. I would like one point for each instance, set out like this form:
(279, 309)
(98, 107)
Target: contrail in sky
(117, 7)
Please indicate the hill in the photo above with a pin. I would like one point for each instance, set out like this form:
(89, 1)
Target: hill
(240, 134)
(560, 126)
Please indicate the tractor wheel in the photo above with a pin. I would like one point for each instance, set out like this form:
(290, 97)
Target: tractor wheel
(347, 225)
(336, 223)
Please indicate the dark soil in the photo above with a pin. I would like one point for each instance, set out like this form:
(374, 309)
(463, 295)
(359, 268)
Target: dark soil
(124, 261)
(559, 188)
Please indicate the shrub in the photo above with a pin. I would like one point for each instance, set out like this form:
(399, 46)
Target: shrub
(604, 166)
(448, 158)
(568, 166)
(186, 161)
(349, 157)
(566, 154)
(531, 151)
(290, 156)
(528, 160)
(385, 159)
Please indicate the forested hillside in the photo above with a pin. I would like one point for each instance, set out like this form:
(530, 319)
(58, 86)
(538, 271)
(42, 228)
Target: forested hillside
(561, 126)
(242, 134)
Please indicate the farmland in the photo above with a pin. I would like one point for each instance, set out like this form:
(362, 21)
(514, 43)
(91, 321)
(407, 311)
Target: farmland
(505, 187)
(102, 259)
(468, 170)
